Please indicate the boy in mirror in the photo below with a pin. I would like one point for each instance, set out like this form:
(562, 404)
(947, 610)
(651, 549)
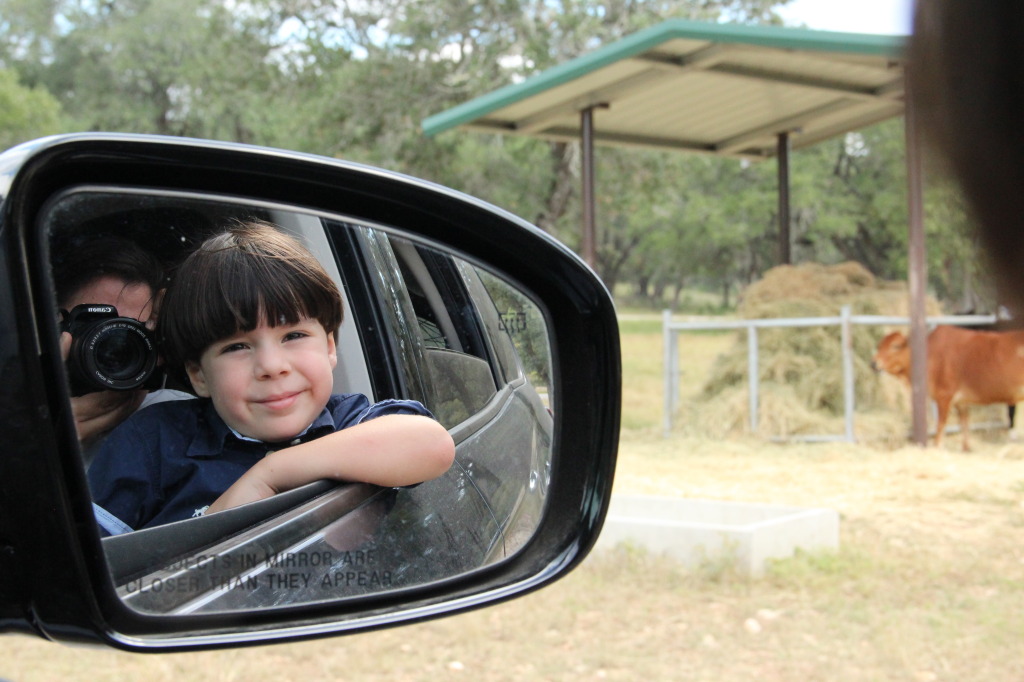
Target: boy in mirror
(252, 318)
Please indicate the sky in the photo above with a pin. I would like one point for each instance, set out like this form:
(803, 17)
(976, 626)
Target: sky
(890, 17)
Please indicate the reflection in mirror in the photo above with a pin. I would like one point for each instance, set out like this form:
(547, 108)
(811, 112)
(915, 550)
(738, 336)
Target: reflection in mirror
(420, 324)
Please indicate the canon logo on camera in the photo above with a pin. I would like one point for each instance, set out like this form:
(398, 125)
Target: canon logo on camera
(101, 309)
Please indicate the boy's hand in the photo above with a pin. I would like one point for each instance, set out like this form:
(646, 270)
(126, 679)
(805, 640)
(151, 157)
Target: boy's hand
(97, 413)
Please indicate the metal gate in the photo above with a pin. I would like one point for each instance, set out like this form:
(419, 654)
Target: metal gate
(845, 320)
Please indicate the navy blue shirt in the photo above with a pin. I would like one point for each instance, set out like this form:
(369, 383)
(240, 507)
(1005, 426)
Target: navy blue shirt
(171, 460)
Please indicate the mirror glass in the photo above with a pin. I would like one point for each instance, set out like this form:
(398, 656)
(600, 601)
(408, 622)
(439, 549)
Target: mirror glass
(420, 323)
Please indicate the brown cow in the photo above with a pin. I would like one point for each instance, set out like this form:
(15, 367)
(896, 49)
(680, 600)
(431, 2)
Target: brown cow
(965, 367)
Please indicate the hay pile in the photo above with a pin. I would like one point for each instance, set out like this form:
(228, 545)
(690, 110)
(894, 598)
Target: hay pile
(801, 375)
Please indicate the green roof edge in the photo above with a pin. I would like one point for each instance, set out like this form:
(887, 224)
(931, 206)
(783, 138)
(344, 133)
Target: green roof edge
(765, 36)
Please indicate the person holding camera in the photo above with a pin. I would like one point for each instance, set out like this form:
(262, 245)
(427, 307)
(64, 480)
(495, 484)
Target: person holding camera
(107, 289)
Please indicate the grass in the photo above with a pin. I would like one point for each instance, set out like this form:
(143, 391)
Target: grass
(643, 392)
(928, 583)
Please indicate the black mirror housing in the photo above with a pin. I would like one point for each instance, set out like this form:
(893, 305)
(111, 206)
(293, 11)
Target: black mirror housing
(54, 575)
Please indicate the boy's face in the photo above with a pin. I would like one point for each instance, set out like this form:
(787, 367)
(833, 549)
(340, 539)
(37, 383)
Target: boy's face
(269, 383)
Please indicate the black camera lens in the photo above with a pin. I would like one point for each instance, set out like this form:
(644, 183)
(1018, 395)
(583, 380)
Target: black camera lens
(108, 352)
(120, 353)
(116, 354)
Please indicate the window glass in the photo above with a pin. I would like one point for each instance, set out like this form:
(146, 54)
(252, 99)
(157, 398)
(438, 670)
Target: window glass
(523, 322)
(463, 376)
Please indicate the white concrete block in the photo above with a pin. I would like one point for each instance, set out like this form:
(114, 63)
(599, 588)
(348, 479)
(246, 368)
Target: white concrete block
(697, 531)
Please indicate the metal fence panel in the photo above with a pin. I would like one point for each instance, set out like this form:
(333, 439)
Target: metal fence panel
(845, 320)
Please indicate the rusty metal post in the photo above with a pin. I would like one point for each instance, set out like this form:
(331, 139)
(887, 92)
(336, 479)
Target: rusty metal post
(918, 281)
(782, 161)
(588, 243)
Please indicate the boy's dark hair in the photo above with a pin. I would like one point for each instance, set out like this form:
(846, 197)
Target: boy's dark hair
(249, 274)
(78, 263)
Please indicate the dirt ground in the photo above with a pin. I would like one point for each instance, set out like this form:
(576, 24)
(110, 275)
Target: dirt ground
(927, 585)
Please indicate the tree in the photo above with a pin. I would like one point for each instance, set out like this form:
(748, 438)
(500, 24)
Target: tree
(355, 80)
(852, 198)
(437, 53)
(189, 67)
(25, 113)
(957, 265)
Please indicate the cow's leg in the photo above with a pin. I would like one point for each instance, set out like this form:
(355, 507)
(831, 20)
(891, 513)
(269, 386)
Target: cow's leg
(965, 425)
(942, 403)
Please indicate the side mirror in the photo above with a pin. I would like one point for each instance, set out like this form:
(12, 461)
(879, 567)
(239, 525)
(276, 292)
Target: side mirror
(507, 337)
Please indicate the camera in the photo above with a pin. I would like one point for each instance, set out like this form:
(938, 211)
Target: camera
(109, 352)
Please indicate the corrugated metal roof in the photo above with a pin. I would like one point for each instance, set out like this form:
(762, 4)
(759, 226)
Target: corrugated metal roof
(711, 88)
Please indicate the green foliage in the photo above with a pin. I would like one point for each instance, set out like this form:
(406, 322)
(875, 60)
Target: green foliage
(850, 200)
(25, 113)
(956, 262)
(355, 80)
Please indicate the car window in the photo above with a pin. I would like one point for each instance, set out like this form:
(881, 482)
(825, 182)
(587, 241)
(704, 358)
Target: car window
(382, 313)
(465, 374)
(520, 326)
(478, 332)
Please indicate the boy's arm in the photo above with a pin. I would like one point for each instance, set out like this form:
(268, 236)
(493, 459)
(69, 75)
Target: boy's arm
(391, 451)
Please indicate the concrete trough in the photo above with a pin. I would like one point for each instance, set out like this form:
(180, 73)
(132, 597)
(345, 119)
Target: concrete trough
(700, 531)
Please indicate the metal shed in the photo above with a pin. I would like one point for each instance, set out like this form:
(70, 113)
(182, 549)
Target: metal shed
(753, 92)
(697, 87)
(743, 91)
